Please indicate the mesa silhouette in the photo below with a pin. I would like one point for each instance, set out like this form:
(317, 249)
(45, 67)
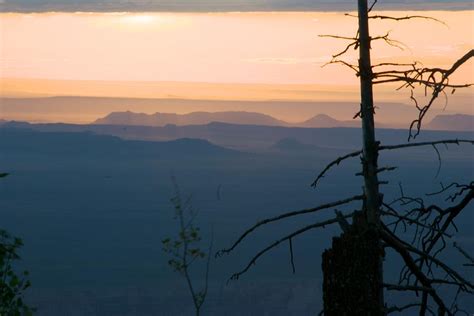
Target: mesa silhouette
(455, 122)
(202, 118)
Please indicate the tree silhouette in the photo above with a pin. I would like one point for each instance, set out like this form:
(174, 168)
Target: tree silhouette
(12, 285)
(353, 269)
(184, 251)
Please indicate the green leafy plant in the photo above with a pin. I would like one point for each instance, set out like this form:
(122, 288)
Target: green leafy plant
(12, 285)
(184, 250)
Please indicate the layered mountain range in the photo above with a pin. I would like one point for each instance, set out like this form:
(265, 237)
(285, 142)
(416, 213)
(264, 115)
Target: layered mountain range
(202, 118)
(456, 122)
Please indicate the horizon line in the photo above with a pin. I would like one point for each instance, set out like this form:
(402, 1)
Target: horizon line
(11, 8)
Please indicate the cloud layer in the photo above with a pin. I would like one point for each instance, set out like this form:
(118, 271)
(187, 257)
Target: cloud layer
(221, 5)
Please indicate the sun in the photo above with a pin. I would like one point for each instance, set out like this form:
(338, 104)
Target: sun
(138, 19)
(142, 21)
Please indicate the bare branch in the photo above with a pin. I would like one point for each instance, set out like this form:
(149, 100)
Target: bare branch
(400, 248)
(408, 82)
(434, 79)
(389, 41)
(208, 264)
(447, 141)
(424, 304)
(393, 309)
(411, 221)
(396, 242)
(396, 64)
(464, 253)
(342, 62)
(292, 260)
(372, 6)
(335, 163)
(286, 215)
(460, 62)
(452, 212)
(408, 17)
(444, 189)
(354, 44)
(439, 160)
(394, 18)
(379, 170)
(237, 275)
(339, 37)
(345, 226)
(397, 287)
(463, 188)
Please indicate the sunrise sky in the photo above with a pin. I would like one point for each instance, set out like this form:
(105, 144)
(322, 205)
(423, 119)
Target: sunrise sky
(251, 55)
(282, 48)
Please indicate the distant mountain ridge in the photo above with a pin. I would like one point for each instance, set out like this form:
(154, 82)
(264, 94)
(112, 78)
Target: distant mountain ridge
(456, 122)
(27, 140)
(243, 137)
(194, 118)
(229, 117)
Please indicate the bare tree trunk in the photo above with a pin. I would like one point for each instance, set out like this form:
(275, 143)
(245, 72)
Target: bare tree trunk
(353, 268)
(369, 149)
(373, 198)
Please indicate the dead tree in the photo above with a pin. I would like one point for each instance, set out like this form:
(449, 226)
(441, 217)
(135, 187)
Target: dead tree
(358, 288)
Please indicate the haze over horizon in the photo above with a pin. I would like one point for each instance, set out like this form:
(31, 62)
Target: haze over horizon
(128, 127)
(264, 56)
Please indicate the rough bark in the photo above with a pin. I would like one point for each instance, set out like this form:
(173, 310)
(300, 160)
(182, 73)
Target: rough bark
(352, 284)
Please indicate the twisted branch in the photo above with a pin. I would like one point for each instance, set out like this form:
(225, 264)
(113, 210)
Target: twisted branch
(237, 275)
(286, 215)
(435, 79)
(388, 147)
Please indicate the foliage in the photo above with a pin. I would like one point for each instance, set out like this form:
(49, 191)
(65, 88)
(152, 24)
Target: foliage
(184, 250)
(12, 285)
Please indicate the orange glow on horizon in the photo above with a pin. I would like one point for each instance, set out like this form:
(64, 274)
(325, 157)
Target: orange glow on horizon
(214, 56)
(264, 47)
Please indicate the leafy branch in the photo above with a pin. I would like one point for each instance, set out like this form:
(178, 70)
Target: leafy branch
(184, 250)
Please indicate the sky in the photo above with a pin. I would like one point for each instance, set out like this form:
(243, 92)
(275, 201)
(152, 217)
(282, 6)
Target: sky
(270, 48)
(216, 55)
(221, 5)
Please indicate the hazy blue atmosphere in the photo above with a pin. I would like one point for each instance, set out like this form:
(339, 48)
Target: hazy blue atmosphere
(93, 209)
(222, 5)
(236, 157)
